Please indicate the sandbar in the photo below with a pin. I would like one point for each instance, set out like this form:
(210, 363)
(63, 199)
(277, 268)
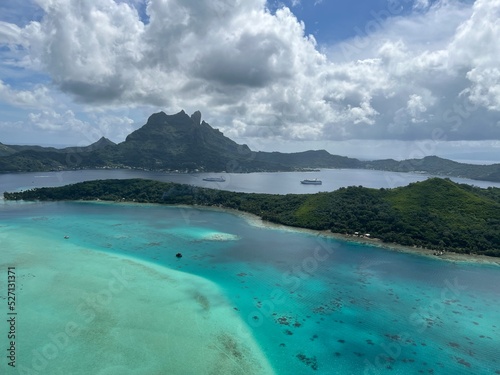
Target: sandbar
(84, 311)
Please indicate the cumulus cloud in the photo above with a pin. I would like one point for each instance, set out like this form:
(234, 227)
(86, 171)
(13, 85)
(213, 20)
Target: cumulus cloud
(88, 47)
(257, 74)
(37, 97)
(476, 48)
(111, 126)
(50, 120)
(52, 126)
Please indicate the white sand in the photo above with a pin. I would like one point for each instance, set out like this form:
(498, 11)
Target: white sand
(88, 312)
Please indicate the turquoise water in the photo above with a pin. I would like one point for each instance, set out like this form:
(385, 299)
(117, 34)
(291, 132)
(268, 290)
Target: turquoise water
(313, 305)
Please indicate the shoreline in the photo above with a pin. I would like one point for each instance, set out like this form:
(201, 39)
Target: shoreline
(257, 221)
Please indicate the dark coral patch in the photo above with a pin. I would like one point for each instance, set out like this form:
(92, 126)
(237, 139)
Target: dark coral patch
(312, 362)
(283, 320)
(463, 362)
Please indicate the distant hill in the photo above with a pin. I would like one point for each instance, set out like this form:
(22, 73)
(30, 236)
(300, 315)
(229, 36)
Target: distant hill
(186, 143)
(439, 166)
(26, 158)
(6, 150)
(102, 143)
(435, 214)
(309, 159)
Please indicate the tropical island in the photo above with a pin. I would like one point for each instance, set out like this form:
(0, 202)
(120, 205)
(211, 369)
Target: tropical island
(183, 142)
(435, 214)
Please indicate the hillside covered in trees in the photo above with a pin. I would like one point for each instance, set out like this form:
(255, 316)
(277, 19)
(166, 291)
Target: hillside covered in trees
(436, 213)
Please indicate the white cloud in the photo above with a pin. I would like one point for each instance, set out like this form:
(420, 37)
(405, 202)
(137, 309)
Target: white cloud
(51, 120)
(10, 33)
(112, 126)
(88, 47)
(66, 127)
(476, 48)
(421, 4)
(37, 97)
(257, 74)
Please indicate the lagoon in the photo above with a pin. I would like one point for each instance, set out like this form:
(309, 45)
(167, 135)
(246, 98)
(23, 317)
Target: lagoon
(244, 298)
(264, 182)
(256, 299)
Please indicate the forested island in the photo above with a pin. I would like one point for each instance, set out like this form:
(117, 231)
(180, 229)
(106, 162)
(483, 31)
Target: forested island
(436, 214)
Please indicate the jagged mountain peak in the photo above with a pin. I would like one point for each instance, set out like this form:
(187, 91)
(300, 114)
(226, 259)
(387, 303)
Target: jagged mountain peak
(180, 119)
(180, 139)
(196, 117)
(175, 119)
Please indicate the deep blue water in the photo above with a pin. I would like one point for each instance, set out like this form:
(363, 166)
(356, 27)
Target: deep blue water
(272, 183)
(316, 305)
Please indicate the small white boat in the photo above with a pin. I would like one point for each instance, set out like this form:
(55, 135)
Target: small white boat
(215, 179)
(311, 182)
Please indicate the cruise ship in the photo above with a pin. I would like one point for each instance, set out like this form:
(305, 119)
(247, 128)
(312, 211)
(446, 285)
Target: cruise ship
(311, 182)
(215, 179)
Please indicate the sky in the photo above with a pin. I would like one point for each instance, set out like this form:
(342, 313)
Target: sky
(366, 78)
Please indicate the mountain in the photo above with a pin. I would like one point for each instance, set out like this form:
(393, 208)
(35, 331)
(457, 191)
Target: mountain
(438, 166)
(308, 159)
(102, 143)
(436, 213)
(177, 142)
(187, 143)
(27, 158)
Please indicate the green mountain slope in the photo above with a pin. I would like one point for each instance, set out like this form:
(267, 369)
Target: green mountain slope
(6, 150)
(36, 158)
(436, 213)
(446, 213)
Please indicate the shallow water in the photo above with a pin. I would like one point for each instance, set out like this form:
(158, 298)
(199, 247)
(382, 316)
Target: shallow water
(308, 304)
